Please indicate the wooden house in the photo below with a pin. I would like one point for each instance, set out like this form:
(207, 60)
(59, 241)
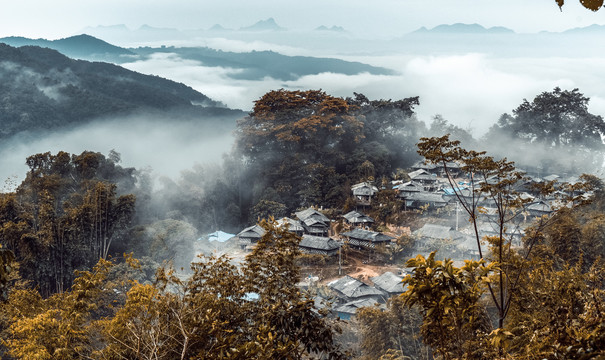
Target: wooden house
(366, 238)
(319, 245)
(389, 283)
(250, 236)
(356, 218)
(363, 193)
(349, 289)
(314, 222)
(294, 226)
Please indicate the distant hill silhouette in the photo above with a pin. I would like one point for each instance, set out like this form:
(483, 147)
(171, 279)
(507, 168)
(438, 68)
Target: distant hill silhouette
(80, 46)
(44, 89)
(257, 65)
(264, 25)
(460, 28)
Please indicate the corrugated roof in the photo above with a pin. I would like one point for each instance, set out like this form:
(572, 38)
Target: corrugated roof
(388, 282)
(367, 235)
(353, 288)
(318, 242)
(357, 217)
(352, 306)
(311, 213)
(293, 225)
(255, 231)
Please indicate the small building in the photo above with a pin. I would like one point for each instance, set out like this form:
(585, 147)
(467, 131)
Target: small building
(319, 245)
(294, 226)
(366, 238)
(348, 310)
(539, 208)
(348, 289)
(389, 283)
(363, 193)
(250, 236)
(431, 201)
(358, 219)
(314, 222)
(408, 188)
(423, 177)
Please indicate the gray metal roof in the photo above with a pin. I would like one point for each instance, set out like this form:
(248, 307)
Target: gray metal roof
(311, 213)
(440, 232)
(364, 188)
(318, 242)
(388, 282)
(427, 197)
(353, 288)
(352, 306)
(293, 225)
(255, 231)
(357, 217)
(367, 235)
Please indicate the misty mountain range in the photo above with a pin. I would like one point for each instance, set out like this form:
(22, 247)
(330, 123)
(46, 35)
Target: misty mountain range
(446, 38)
(254, 65)
(43, 89)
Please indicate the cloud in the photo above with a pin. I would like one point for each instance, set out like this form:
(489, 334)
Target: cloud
(469, 90)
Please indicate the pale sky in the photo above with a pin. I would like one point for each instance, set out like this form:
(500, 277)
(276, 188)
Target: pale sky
(385, 18)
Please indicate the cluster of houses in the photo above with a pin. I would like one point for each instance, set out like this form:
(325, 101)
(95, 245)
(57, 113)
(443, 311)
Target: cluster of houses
(427, 190)
(314, 229)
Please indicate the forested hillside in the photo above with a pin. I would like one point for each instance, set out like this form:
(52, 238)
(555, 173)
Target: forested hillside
(45, 90)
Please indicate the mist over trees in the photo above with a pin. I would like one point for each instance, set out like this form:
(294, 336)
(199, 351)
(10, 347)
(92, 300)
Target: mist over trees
(554, 132)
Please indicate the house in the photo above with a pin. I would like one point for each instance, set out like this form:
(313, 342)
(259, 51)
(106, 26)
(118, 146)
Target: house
(320, 245)
(470, 249)
(314, 222)
(408, 188)
(357, 219)
(363, 193)
(348, 310)
(539, 208)
(389, 283)
(434, 234)
(366, 238)
(294, 226)
(512, 231)
(250, 235)
(348, 289)
(427, 180)
(419, 200)
(423, 165)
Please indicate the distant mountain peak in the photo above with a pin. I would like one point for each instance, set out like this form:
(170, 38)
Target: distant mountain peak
(460, 28)
(333, 28)
(218, 27)
(264, 25)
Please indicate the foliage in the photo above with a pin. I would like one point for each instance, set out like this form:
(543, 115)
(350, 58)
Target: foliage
(65, 216)
(6, 259)
(454, 320)
(393, 330)
(308, 146)
(557, 128)
(593, 5)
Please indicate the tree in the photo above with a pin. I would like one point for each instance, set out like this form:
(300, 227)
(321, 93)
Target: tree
(556, 127)
(6, 259)
(593, 5)
(454, 320)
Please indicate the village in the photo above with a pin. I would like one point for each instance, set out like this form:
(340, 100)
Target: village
(352, 261)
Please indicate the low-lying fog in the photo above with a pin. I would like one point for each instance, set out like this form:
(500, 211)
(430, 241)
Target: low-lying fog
(144, 141)
(470, 90)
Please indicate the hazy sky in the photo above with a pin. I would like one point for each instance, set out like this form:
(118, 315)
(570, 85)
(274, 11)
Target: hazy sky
(61, 18)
